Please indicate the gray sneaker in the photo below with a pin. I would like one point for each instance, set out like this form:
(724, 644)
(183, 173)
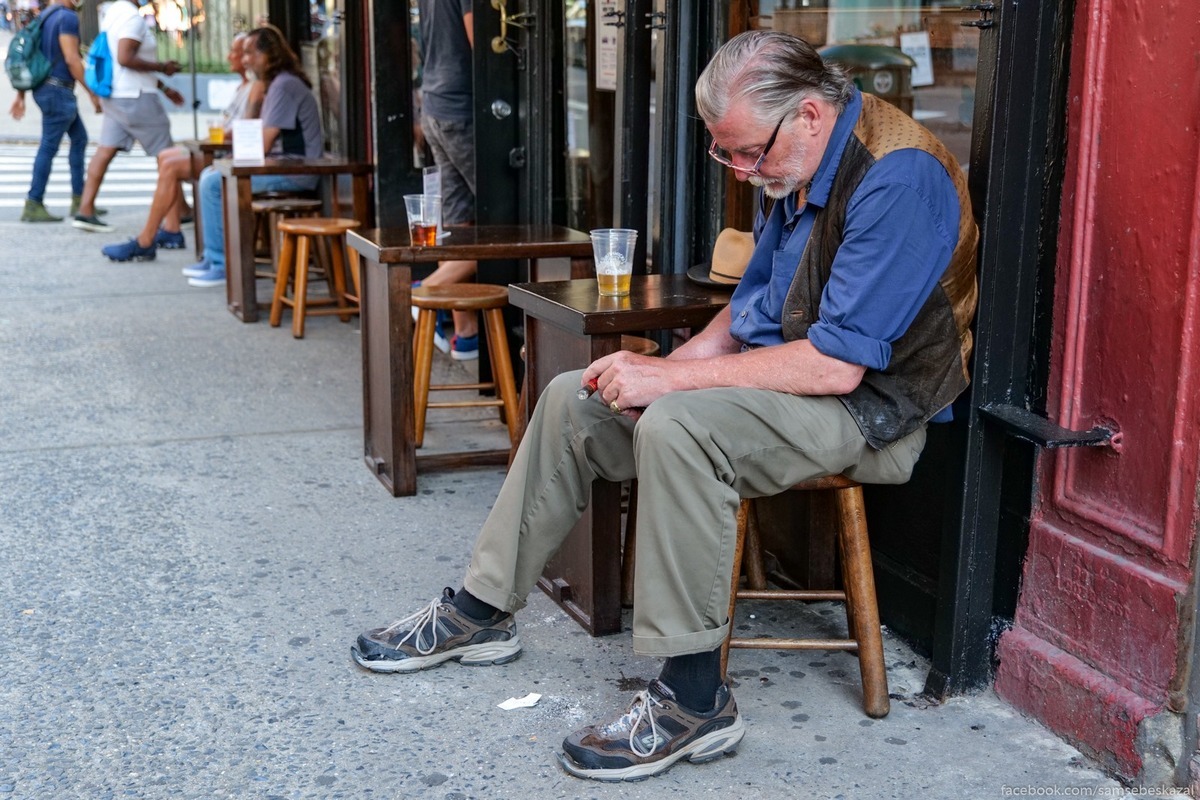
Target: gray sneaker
(652, 735)
(438, 632)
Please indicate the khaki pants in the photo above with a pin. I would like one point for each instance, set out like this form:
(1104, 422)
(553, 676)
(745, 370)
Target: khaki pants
(695, 454)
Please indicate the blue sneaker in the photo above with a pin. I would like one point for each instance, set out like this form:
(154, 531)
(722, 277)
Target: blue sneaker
(464, 348)
(211, 278)
(166, 240)
(129, 251)
(198, 270)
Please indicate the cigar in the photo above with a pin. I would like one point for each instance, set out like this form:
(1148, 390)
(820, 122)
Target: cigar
(587, 390)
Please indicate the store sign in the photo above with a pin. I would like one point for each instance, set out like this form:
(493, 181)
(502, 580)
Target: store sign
(607, 35)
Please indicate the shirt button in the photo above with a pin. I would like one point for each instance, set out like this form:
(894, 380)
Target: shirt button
(743, 313)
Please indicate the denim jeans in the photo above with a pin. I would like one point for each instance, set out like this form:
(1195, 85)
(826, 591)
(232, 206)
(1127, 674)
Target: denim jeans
(212, 211)
(60, 115)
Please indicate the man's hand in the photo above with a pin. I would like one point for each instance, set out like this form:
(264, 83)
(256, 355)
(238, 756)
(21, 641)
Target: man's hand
(96, 103)
(169, 68)
(172, 95)
(631, 381)
(18, 106)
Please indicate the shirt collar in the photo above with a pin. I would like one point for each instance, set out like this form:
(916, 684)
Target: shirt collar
(822, 183)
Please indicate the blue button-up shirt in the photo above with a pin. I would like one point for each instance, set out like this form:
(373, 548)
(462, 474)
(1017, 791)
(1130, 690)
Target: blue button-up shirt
(901, 228)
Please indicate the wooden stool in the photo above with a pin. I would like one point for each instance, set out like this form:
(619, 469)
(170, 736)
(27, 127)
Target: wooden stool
(862, 611)
(489, 299)
(294, 248)
(267, 213)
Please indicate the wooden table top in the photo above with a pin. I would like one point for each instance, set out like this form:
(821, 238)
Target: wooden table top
(473, 243)
(655, 302)
(205, 146)
(282, 165)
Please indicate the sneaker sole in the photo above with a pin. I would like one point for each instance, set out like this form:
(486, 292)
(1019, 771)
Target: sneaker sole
(474, 655)
(131, 258)
(707, 748)
(172, 246)
(460, 356)
(87, 226)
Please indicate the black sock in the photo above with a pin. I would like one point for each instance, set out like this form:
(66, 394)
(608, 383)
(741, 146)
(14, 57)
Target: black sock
(473, 607)
(694, 678)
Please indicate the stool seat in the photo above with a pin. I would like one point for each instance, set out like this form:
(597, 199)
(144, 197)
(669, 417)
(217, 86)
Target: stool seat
(317, 226)
(460, 297)
(471, 297)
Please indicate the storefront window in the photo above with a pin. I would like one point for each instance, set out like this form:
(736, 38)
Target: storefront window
(914, 53)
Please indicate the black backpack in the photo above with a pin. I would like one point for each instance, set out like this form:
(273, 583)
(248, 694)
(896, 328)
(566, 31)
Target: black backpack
(27, 66)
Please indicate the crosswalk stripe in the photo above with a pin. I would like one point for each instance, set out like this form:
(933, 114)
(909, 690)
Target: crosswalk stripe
(128, 183)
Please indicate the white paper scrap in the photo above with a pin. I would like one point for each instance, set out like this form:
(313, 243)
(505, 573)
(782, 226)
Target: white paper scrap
(528, 701)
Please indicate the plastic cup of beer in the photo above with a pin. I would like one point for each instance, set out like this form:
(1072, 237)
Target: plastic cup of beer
(424, 216)
(216, 132)
(613, 251)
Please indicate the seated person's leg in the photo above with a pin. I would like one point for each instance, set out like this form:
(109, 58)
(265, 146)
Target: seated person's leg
(542, 498)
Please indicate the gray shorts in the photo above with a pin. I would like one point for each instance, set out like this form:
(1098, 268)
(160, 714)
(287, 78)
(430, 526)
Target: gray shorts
(453, 146)
(141, 119)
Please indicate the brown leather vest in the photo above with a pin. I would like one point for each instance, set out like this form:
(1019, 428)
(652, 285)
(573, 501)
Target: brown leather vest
(928, 368)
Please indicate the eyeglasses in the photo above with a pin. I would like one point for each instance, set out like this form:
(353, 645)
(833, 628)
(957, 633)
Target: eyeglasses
(722, 157)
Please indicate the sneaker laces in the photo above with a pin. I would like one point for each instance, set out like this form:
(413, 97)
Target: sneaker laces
(641, 711)
(419, 620)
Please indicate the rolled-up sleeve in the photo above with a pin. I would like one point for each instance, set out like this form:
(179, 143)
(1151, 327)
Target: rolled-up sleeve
(901, 228)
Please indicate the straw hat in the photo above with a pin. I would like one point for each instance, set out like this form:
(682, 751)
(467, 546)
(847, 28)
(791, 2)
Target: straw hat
(731, 254)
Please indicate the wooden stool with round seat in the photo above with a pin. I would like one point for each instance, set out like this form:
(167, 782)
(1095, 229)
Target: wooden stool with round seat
(296, 236)
(862, 611)
(490, 300)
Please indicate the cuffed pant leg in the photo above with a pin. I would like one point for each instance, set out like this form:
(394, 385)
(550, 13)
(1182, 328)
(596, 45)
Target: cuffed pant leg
(569, 443)
(697, 453)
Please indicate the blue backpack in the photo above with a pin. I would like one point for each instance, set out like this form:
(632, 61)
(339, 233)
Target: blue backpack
(98, 67)
(26, 64)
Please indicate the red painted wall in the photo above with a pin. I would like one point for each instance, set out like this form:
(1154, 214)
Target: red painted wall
(1104, 599)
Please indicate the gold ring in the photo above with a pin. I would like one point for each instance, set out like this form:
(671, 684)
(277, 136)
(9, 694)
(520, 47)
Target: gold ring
(616, 409)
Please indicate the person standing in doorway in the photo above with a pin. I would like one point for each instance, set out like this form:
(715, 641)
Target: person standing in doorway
(60, 113)
(448, 122)
(133, 112)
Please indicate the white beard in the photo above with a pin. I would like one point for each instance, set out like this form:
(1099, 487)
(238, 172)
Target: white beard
(779, 188)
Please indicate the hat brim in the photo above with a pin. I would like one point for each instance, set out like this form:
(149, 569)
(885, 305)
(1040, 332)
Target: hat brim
(699, 274)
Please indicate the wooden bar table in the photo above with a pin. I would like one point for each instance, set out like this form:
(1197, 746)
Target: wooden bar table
(387, 328)
(240, 289)
(568, 326)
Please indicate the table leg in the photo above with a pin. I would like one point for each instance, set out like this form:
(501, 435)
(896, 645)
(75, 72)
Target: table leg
(362, 201)
(388, 424)
(240, 292)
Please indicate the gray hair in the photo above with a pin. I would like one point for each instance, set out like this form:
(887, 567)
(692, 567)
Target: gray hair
(772, 70)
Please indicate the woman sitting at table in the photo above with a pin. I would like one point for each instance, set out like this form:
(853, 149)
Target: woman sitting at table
(291, 127)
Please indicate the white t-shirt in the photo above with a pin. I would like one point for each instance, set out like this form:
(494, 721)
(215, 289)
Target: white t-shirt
(122, 21)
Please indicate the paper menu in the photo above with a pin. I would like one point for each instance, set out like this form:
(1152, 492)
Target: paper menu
(248, 142)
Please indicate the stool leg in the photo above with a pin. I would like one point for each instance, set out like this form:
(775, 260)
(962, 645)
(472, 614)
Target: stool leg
(287, 255)
(629, 551)
(338, 288)
(422, 368)
(354, 275)
(856, 550)
(735, 583)
(300, 293)
(756, 573)
(502, 369)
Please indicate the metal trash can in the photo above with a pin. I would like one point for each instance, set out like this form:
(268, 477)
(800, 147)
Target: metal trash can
(877, 69)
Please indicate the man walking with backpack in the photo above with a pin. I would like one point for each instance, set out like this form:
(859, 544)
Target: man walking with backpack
(55, 96)
(133, 112)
